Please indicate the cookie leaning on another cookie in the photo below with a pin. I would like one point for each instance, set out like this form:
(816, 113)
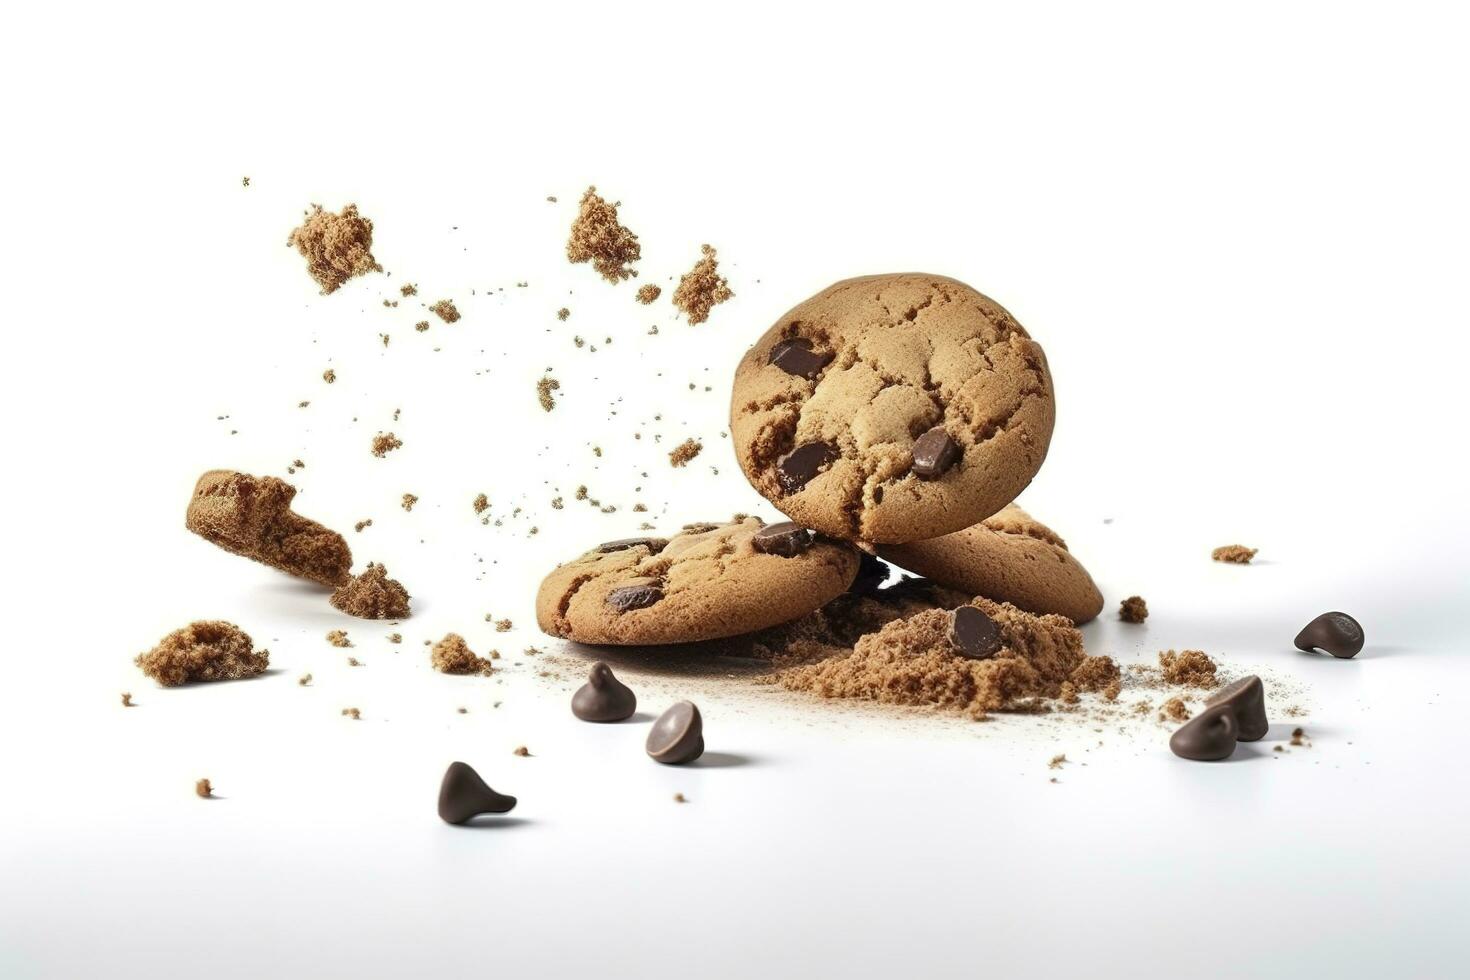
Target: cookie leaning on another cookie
(252, 516)
(1008, 558)
(892, 408)
(708, 581)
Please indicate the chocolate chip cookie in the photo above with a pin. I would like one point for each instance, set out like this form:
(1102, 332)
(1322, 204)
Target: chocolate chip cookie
(708, 581)
(1008, 558)
(892, 408)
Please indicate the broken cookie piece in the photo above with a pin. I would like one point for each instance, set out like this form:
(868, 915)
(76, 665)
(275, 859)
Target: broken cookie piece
(336, 247)
(599, 238)
(452, 655)
(252, 517)
(207, 650)
(373, 595)
(702, 288)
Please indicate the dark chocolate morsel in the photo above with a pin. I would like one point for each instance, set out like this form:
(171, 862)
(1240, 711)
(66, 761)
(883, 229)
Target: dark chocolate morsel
(463, 794)
(973, 634)
(654, 545)
(871, 573)
(1207, 737)
(934, 453)
(1336, 632)
(678, 735)
(603, 697)
(796, 469)
(787, 539)
(637, 594)
(795, 356)
(1247, 701)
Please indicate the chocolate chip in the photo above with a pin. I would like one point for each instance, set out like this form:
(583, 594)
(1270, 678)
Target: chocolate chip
(654, 545)
(637, 594)
(463, 795)
(973, 634)
(796, 469)
(934, 453)
(1207, 737)
(678, 735)
(795, 356)
(1246, 699)
(603, 697)
(1336, 632)
(871, 573)
(786, 539)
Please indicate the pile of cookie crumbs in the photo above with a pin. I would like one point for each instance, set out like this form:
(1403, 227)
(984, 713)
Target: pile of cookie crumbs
(702, 288)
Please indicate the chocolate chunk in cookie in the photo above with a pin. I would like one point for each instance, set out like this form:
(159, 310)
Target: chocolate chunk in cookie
(623, 544)
(934, 453)
(637, 594)
(785, 539)
(797, 468)
(795, 356)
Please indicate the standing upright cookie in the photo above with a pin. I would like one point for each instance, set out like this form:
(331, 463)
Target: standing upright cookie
(1008, 557)
(892, 408)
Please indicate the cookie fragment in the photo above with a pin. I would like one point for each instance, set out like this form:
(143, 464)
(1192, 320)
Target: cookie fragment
(373, 595)
(600, 238)
(207, 650)
(452, 655)
(1236, 554)
(1133, 609)
(702, 288)
(252, 517)
(336, 247)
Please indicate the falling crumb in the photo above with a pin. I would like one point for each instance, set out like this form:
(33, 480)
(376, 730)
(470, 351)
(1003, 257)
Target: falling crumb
(563, 313)
(522, 751)
(598, 237)
(395, 637)
(207, 650)
(353, 662)
(1057, 761)
(384, 443)
(360, 525)
(1174, 709)
(352, 713)
(452, 655)
(648, 292)
(1133, 610)
(1298, 736)
(127, 700)
(445, 310)
(421, 326)
(304, 680)
(701, 288)
(556, 503)
(409, 289)
(1188, 668)
(680, 798)
(685, 451)
(338, 638)
(373, 595)
(244, 181)
(1237, 554)
(482, 504)
(336, 247)
(408, 501)
(202, 788)
(544, 388)
(503, 626)
(329, 376)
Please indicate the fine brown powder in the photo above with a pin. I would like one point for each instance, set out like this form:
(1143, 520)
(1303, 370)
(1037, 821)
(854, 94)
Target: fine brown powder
(1133, 610)
(598, 237)
(648, 292)
(373, 595)
(452, 655)
(207, 650)
(336, 247)
(1237, 554)
(685, 451)
(702, 288)
(1187, 668)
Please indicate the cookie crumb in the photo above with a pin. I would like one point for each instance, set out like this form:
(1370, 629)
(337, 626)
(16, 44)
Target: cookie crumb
(1298, 737)
(360, 525)
(481, 504)
(544, 388)
(503, 626)
(684, 452)
(598, 237)
(452, 655)
(701, 288)
(1057, 761)
(522, 751)
(395, 637)
(1133, 610)
(127, 700)
(409, 289)
(384, 443)
(408, 501)
(648, 292)
(338, 638)
(1237, 554)
(373, 595)
(1187, 668)
(354, 662)
(1096, 674)
(421, 326)
(352, 713)
(445, 310)
(563, 313)
(329, 376)
(207, 650)
(680, 798)
(336, 247)
(203, 788)
(304, 680)
(1174, 709)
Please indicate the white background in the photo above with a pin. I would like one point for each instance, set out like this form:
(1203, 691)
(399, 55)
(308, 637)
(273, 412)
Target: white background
(1239, 232)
